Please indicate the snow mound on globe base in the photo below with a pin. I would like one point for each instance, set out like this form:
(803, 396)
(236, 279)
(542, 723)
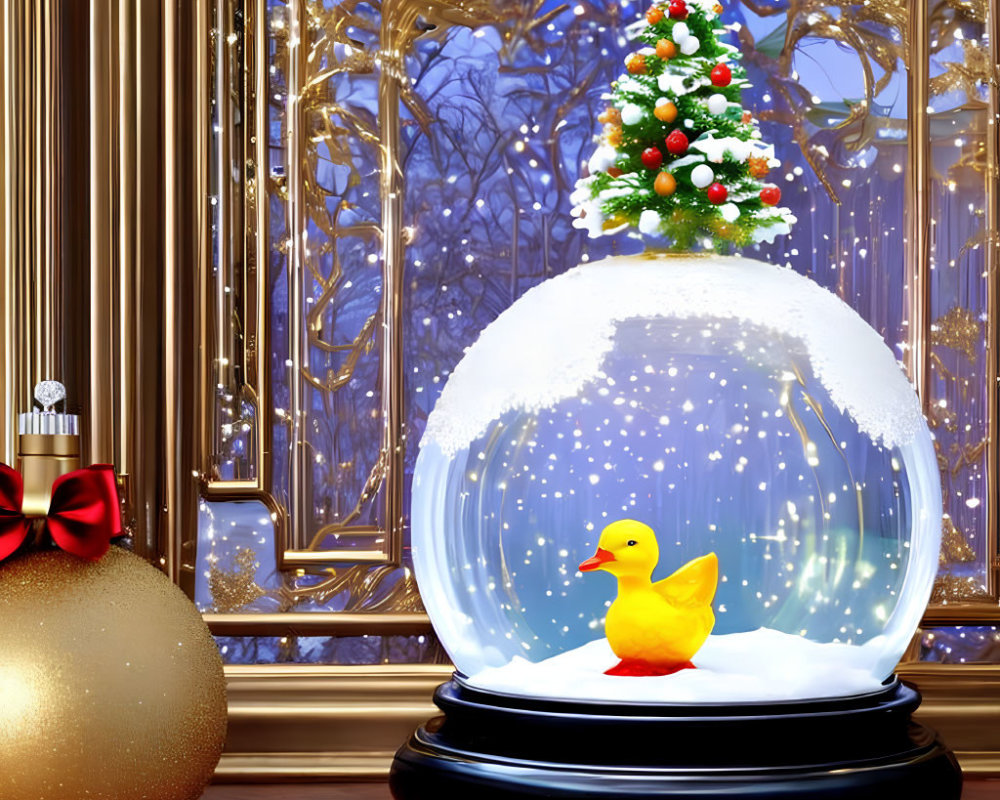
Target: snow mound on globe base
(554, 339)
(761, 665)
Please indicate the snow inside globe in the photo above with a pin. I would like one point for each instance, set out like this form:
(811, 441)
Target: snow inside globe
(729, 409)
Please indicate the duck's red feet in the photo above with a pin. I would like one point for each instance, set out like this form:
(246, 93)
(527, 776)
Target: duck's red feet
(634, 668)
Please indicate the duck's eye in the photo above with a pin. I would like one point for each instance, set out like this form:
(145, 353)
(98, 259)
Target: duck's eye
(631, 543)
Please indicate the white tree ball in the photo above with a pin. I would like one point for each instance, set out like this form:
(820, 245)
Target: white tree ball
(717, 104)
(702, 176)
(631, 114)
(690, 45)
(649, 222)
(681, 32)
(730, 212)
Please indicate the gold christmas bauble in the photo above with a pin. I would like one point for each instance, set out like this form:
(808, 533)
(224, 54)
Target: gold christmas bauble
(111, 686)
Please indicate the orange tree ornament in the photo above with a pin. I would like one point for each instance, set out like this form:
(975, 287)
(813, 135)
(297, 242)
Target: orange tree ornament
(666, 49)
(665, 111)
(681, 96)
(758, 166)
(636, 64)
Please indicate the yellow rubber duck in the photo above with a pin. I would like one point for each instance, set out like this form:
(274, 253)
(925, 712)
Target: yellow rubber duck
(654, 628)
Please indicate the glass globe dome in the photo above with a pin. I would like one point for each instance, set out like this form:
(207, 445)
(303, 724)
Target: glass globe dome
(734, 407)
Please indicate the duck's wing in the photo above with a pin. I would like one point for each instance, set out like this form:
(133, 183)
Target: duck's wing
(693, 584)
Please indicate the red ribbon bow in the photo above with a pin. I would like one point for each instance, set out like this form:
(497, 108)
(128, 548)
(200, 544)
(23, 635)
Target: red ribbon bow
(83, 514)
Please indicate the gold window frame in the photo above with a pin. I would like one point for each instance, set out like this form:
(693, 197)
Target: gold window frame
(397, 17)
(253, 207)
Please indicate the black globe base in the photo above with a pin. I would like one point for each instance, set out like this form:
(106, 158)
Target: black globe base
(489, 746)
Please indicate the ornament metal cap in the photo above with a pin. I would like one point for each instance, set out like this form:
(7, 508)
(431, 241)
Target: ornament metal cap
(48, 445)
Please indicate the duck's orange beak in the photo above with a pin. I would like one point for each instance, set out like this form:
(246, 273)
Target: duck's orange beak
(602, 556)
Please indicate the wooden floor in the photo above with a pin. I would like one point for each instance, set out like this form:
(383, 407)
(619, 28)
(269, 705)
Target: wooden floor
(974, 790)
(300, 791)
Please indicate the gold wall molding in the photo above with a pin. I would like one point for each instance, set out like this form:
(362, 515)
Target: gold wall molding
(992, 241)
(962, 614)
(185, 60)
(299, 723)
(121, 369)
(31, 291)
(917, 242)
(960, 702)
(302, 723)
(319, 624)
(109, 122)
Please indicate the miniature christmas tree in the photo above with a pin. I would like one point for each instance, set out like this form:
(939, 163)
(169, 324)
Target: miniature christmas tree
(679, 156)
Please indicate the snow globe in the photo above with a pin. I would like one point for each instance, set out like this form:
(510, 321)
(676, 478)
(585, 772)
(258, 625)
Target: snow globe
(730, 408)
(676, 516)
(708, 399)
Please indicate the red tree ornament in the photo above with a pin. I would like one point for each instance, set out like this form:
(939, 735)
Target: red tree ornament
(678, 9)
(652, 158)
(677, 143)
(717, 193)
(770, 195)
(721, 75)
